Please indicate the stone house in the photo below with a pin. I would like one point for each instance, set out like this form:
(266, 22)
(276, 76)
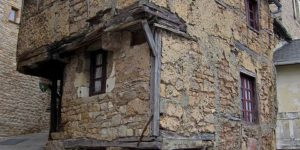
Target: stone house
(22, 105)
(287, 62)
(154, 74)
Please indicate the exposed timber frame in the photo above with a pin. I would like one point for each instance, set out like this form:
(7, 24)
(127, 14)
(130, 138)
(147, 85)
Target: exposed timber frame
(154, 42)
(142, 15)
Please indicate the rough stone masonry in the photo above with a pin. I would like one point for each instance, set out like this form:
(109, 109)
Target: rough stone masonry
(22, 105)
(177, 89)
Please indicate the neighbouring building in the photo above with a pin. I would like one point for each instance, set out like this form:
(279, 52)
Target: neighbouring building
(287, 62)
(22, 105)
(154, 74)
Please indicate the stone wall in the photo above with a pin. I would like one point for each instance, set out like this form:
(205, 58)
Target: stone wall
(200, 76)
(200, 87)
(56, 19)
(23, 106)
(123, 110)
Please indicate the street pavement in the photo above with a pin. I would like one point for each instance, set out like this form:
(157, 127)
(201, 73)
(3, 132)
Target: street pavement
(36, 141)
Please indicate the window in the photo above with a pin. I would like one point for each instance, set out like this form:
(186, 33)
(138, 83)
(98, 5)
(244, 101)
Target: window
(296, 4)
(249, 108)
(252, 14)
(13, 14)
(98, 73)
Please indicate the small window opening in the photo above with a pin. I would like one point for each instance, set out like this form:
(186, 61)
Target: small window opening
(98, 73)
(13, 15)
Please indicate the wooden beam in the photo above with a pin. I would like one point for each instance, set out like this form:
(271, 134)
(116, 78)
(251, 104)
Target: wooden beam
(177, 32)
(91, 143)
(122, 26)
(156, 84)
(149, 37)
(53, 114)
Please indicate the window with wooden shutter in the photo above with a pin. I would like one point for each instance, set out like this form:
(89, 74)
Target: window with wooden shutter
(249, 106)
(252, 11)
(98, 73)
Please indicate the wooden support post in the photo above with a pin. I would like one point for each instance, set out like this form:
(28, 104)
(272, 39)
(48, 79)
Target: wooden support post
(154, 42)
(53, 124)
(156, 80)
(150, 37)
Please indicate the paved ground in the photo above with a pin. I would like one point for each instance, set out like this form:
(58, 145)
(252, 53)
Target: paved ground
(35, 141)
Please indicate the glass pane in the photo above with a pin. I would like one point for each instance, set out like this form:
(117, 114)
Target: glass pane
(98, 86)
(249, 95)
(247, 106)
(12, 15)
(248, 84)
(98, 72)
(242, 94)
(99, 59)
(250, 107)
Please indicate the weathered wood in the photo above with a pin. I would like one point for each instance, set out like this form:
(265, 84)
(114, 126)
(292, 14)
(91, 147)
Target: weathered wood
(150, 37)
(200, 136)
(122, 26)
(136, 139)
(144, 130)
(177, 32)
(156, 85)
(165, 17)
(34, 53)
(53, 114)
(91, 143)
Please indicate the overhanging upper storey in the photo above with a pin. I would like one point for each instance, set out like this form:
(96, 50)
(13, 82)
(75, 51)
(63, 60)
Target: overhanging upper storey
(142, 15)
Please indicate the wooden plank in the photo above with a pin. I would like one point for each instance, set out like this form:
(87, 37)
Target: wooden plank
(122, 26)
(156, 85)
(90, 143)
(54, 119)
(196, 137)
(144, 130)
(136, 139)
(33, 53)
(177, 32)
(149, 37)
